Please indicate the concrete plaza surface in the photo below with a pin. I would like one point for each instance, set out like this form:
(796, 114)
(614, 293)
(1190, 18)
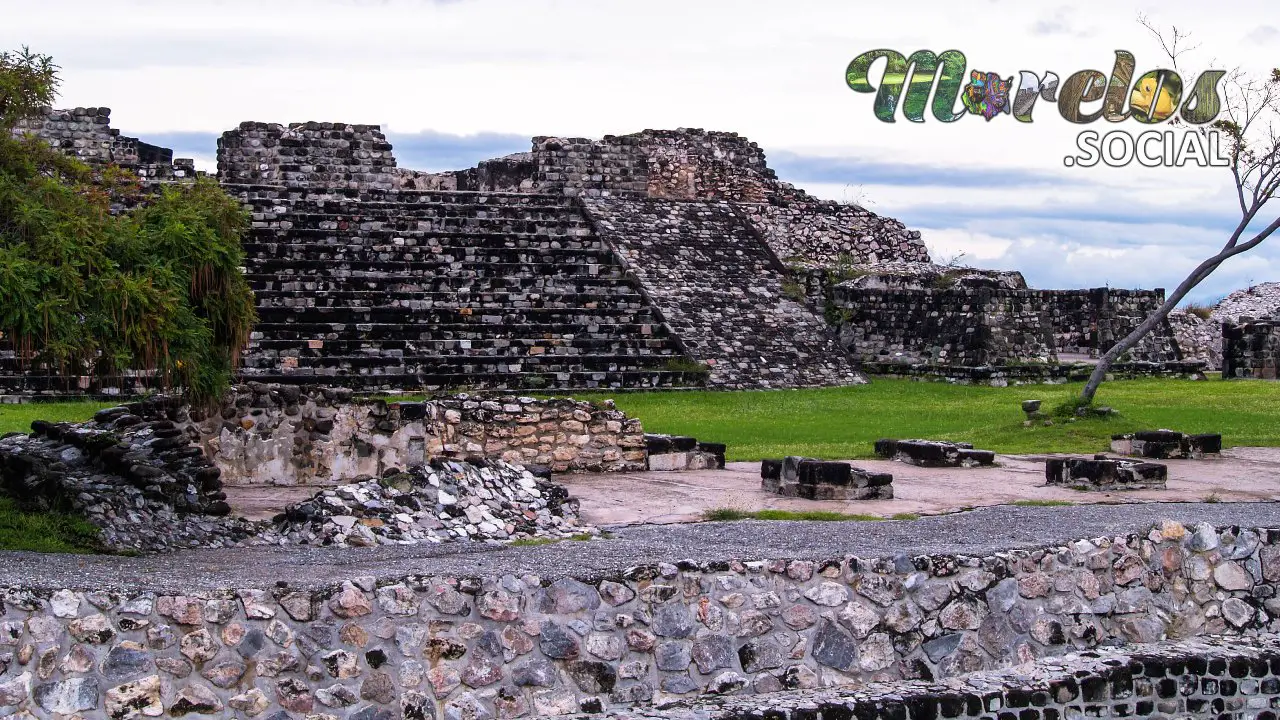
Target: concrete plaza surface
(1240, 475)
(608, 499)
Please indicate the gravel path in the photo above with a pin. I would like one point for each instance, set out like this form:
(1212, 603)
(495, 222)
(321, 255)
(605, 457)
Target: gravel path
(980, 531)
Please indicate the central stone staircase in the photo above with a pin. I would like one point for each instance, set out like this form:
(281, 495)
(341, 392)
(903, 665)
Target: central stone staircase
(420, 290)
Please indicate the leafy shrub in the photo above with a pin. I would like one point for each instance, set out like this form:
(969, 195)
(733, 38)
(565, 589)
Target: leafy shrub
(91, 291)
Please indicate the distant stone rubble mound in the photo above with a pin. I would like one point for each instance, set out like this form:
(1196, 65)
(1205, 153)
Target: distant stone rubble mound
(1200, 334)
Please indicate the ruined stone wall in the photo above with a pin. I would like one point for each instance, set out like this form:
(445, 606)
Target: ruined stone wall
(535, 646)
(83, 133)
(612, 165)
(1251, 350)
(269, 434)
(963, 326)
(86, 134)
(311, 154)
(968, 326)
(1034, 373)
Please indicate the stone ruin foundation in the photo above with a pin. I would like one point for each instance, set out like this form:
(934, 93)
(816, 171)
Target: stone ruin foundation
(1251, 349)
(823, 480)
(1105, 474)
(934, 453)
(677, 452)
(1167, 444)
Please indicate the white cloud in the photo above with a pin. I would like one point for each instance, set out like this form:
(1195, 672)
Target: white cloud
(772, 72)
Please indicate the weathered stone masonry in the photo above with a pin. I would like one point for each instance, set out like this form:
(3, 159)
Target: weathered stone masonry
(722, 289)
(1206, 679)
(976, 326)
(290, 435)
(1251, 350)
(411, 290)
(494, 277)
(530, 646)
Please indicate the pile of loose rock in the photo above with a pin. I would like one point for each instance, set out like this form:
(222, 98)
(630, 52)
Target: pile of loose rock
(441, 501)
(1201, 337)
(823, 480)
(130, 472)
(134, 474)
(934, 453)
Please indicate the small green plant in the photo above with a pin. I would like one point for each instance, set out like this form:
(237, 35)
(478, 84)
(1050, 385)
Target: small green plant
(533, 542)
(580, 537)
(794, 290)
(946, 280)
(1212, 498)
(904, 516)
(836, 315)
(1204, 312)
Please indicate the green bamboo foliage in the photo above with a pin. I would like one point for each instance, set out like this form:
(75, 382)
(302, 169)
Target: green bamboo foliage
(156, 288)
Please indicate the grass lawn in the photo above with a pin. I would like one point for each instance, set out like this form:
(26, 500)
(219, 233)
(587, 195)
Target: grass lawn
(844, 422)
(44, 532)
(837, 423)
(17, 418)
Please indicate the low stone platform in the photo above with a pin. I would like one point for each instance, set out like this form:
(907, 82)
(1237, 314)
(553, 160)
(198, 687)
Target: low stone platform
(823, 480)
(677, 452)
(1103, 473)
(1167, 444)
(934, 453)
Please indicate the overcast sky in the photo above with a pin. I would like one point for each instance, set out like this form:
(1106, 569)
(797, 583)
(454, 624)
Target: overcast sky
(456, 81)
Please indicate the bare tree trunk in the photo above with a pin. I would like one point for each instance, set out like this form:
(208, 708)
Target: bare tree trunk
(1202, 271)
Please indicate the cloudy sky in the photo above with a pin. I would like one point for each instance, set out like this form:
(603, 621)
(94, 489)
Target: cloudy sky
(453, 82)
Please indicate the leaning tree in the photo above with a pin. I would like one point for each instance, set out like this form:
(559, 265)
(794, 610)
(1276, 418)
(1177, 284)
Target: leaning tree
(1250, 128)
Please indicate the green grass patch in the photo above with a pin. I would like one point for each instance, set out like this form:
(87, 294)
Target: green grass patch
(730, 514)
(17, 418)
(44, 532)
(1042, 503)
(580, 537)
(840, 423)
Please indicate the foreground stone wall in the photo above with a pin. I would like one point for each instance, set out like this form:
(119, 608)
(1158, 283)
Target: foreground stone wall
(424, 647)
(269, 434)
(975, 326)
(1205, 679)
(1251, 349)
